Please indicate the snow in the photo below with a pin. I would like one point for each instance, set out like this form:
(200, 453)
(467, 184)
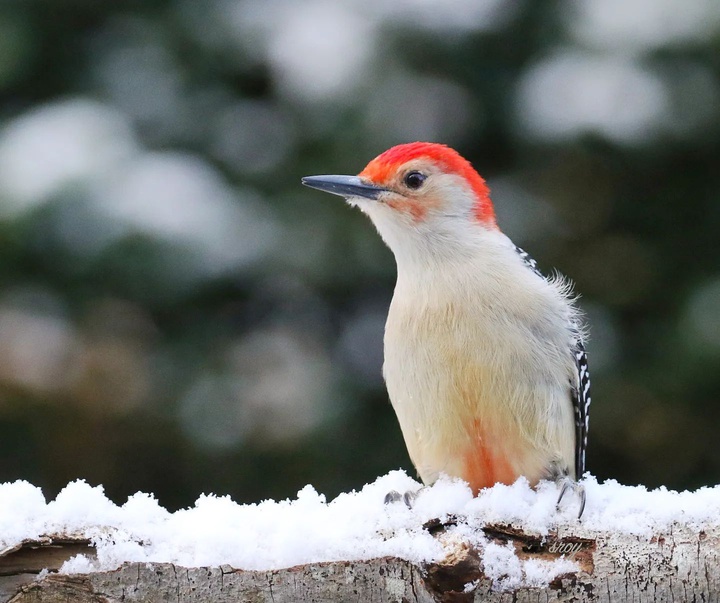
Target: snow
(354, 526)
(508, 572)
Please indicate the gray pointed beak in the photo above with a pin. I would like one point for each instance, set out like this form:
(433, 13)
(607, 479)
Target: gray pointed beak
(345, 186)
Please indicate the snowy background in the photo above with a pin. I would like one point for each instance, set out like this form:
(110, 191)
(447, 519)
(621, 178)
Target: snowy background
(178, 315)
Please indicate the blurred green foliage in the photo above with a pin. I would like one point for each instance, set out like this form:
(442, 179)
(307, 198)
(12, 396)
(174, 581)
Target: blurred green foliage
(178, 315)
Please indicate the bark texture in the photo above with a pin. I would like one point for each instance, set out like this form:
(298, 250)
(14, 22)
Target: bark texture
(682, 565)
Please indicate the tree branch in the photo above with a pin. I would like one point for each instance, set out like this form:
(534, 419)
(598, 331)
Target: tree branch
(680, 565)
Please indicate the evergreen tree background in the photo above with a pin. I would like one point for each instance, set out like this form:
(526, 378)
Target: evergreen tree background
(179, 315)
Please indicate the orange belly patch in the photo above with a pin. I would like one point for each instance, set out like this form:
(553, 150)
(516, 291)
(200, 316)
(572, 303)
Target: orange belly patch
(485, 462)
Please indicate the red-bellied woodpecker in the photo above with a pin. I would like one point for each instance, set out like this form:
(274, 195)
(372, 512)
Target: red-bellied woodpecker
(484, 359)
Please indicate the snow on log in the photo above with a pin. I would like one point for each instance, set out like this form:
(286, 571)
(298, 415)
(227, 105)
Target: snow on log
(509, 543)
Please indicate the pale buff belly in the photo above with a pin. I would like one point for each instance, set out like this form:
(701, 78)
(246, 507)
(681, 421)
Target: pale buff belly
(462, 434)
(464, 413)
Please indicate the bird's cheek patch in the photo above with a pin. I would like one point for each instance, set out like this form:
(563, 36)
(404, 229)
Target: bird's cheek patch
(415, 209)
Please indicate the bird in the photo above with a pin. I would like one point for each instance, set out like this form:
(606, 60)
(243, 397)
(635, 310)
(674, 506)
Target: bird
(484, 356)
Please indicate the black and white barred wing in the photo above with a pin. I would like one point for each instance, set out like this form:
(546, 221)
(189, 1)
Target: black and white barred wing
(581, 406)
(529, 261)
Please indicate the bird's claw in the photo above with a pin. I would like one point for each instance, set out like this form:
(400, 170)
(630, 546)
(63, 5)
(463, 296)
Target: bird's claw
(392, 497)
(577, 488)
(408, 498)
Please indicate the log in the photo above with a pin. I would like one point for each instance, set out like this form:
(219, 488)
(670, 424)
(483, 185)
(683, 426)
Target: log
(680, 565)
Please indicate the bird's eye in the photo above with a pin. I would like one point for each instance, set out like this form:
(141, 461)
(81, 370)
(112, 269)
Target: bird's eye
(414, 180)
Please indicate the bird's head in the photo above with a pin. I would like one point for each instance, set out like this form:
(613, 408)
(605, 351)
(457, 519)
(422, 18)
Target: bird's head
(416, 193)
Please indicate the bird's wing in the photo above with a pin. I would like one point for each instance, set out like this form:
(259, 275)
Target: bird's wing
(529, 261)
(581, 406)
(580, 389)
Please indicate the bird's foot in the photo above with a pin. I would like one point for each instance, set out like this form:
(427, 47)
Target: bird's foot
(408, 497)
(578, 489)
